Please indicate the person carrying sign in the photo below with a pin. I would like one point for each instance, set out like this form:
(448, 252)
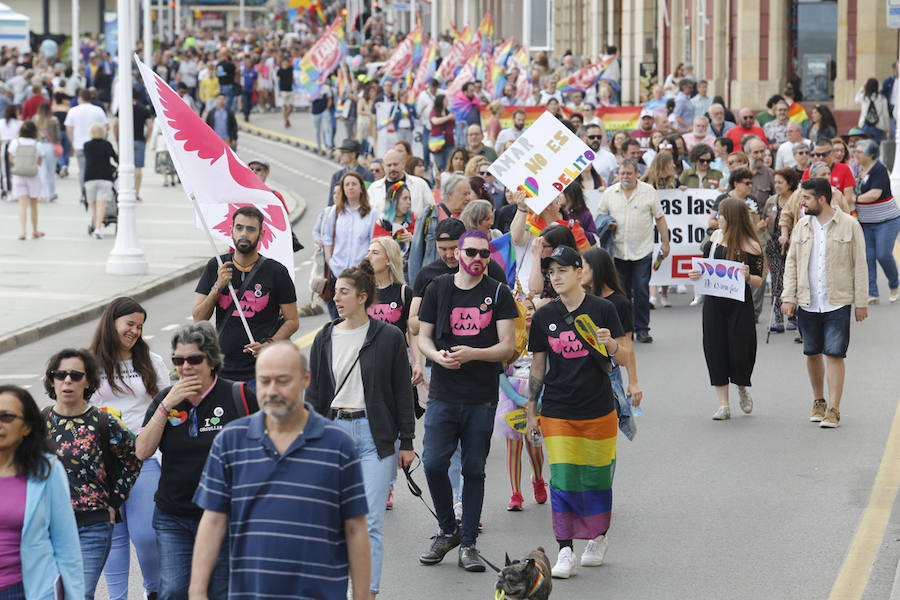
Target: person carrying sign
(729, 326)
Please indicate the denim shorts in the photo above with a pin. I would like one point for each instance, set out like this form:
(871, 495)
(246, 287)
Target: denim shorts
(825, 333)
(139, 152)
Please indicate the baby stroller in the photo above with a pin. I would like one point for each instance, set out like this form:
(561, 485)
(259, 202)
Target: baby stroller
(112, 208)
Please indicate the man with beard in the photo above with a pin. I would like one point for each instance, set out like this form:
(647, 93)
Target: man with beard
(824, 274)
(644, 131)
(419, 192)
(511, 133)
(636, 209)
(763, 176)
(718, 126)
(265, 291)
(466, 327)
(285, 447)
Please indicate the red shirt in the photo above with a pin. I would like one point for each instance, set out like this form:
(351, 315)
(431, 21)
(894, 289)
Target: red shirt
(30, 106)
(841, 176)
(736, 133)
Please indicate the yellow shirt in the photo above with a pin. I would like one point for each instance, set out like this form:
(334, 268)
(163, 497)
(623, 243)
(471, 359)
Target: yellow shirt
(209, 88)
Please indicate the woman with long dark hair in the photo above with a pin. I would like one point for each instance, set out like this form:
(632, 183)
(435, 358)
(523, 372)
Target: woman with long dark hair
(9, 130)
(360, 378)
(37, 524)
(25, 163)
(130, 376)
(786, 181)
(821, 123)
(873, 115)
(97, 451)
(574, 208)
(729, 326)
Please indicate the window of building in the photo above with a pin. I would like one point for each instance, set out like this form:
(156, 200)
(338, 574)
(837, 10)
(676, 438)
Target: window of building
(814, 46)
(541, 24)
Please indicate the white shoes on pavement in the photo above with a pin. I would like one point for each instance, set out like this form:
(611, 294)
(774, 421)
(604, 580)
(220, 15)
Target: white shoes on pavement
(565, 566)
(594, 552)
(746, 401)
(664, 301)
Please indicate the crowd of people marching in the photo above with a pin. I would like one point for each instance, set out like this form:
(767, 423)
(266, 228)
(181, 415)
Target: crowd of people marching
(249, 441)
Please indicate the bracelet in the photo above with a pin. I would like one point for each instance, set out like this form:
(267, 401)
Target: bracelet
(617, 350)
(215, 287)
(162, 409)
(521, 211)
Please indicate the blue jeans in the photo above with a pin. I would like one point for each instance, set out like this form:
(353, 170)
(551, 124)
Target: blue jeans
(880, 238)
(137, 528)
(175, 542)
(228, 90)
(471, 426)
(377, 473)
(322, 121)
(635, 275)
(246, 104)
(426, 154)
(47, 169)
(440, 159)
(95, 541)
(63, 161)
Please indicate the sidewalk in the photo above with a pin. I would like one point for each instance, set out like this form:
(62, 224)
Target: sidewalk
(60, 280)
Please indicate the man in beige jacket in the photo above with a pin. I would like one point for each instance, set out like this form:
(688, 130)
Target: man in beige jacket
(825, 273)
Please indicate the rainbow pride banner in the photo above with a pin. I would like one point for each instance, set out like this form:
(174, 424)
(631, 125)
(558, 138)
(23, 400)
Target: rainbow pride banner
(798, 113)
(323, 58)
(584, 78)
(615, 118)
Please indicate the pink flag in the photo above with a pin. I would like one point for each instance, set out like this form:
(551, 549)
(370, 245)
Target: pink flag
(213, 174)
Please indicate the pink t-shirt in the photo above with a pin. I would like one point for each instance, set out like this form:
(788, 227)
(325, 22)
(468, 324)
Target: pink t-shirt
(12, 518)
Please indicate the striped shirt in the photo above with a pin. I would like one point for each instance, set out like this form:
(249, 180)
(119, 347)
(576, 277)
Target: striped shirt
(286, 512)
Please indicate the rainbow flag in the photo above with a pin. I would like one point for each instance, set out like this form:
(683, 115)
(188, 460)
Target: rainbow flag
(582, 456)
(494, 80)
(426, 70)
(436, 143)
(583, 78)
(617, 118)
(486, 34)
(311, 77)
(503, 52)
(416, 36)
(798, 113)
(503, 251)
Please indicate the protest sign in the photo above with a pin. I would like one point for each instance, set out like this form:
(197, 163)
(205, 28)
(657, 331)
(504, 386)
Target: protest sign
(542, 162)
(687, 214)
(723, 278)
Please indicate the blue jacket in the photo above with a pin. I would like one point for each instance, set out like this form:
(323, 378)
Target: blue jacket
(423, 250)
(605, 234)
(50, 546)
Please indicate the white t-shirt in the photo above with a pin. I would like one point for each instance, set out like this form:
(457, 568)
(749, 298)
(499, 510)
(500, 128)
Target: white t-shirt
(9, 130)
(345, 346)
(80, 118)
(604, 164)
(133, 400)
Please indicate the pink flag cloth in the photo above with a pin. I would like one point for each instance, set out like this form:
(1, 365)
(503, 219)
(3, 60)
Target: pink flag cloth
(212, 173)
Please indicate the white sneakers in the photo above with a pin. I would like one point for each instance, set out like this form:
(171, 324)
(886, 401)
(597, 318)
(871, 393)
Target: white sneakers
(593, 556)
(565, 564)
(594, 552)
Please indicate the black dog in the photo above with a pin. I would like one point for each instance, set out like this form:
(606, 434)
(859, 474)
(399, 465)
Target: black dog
(525, 579)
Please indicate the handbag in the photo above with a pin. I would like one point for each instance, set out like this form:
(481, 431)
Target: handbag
(57, 150)
(322, 286)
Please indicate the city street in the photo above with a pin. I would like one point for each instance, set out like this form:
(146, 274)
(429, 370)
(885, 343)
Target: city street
(762, 506)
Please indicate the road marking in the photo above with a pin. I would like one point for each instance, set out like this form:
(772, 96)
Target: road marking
(170, 327)
(857, 567)
(306, 263)
(307, 339)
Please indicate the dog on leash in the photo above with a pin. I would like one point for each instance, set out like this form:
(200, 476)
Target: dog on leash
(525, 579)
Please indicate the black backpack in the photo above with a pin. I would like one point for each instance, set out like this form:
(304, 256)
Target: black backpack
(871, 114)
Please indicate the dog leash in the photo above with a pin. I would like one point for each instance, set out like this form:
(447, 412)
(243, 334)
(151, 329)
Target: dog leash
(414, 488)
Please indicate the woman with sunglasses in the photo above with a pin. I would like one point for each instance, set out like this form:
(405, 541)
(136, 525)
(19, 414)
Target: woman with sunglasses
(130, 376)
(360, 378)
(38, 535)
(701, 175)
(97, 451)
(182, 422)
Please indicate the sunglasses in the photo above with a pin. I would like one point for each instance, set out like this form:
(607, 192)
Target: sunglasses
(483, 173)
(193, 359)
(9, 417)
(705, 161)
(472, 252)
(820, 154)
(595, 137)
(61, 375)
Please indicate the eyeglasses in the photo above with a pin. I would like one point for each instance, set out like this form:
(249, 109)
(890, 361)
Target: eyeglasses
(10, 417)
(193, 359)
(61, 375)
(482, 252)
(483, 173)
(748, 182)
(705, 161)
(820, 154)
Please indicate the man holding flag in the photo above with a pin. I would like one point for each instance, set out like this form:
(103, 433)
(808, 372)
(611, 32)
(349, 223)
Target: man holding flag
(265, 291)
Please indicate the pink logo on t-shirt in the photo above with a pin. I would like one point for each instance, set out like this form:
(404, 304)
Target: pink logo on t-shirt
(467, 321)
(386, 313)
(250, 304)
(567, 344)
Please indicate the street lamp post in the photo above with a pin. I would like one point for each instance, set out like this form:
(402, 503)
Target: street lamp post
(126, 257)
(243, 16)
(148, 35)
(177, 18)
(434, 20)
(76, 45)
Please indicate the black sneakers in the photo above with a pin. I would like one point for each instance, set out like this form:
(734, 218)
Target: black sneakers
(469, 560)
(442, 544)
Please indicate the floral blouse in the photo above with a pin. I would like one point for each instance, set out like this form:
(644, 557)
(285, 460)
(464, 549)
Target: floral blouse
(77, 441)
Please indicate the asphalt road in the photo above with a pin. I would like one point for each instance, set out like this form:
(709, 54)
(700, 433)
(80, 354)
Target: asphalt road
(762, 506)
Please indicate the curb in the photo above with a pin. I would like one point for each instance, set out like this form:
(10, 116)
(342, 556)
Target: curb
(283, 138)
(35, 332)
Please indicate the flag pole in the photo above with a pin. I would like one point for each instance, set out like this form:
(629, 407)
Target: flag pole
(212, 243)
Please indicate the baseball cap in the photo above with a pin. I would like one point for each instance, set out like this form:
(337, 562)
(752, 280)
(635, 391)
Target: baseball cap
(646, 113)
(449, 229)
(262, 163)
(564, 257)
